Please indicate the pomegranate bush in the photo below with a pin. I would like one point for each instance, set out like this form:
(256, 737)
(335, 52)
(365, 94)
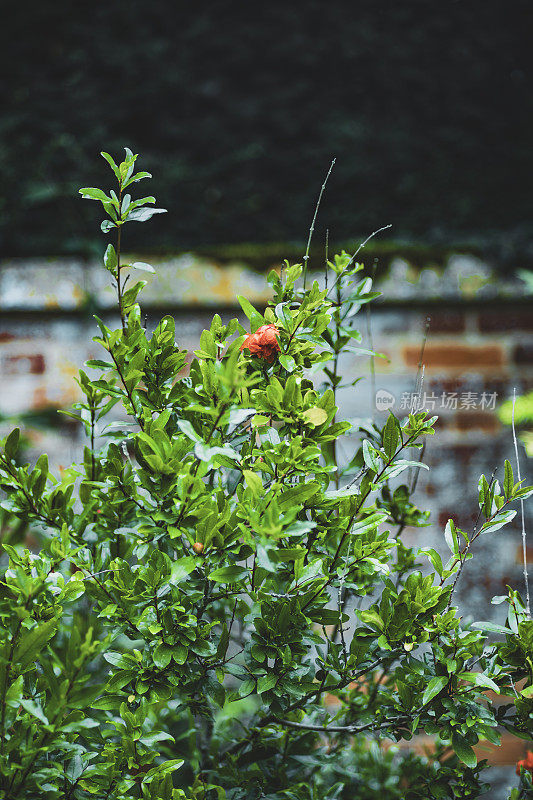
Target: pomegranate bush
(220, 608)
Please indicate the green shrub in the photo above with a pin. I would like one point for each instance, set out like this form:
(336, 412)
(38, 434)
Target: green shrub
(210, 575)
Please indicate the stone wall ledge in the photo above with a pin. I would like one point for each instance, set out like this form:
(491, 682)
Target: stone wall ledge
(188, 280)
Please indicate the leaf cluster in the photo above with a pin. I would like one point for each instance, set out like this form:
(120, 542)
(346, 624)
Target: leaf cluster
(222, 607)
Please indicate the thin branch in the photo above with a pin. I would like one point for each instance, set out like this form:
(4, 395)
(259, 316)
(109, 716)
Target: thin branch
(413, 473)
(312, 228)
(524, 546)
(472, 538)
(371, 347)
(368, 238)
(296, 706)
(327, 729)
(326, 259)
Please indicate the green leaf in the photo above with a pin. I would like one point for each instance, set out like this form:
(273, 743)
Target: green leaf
(498, 521)
(315, 416)
(112, 164)
(254, 481)
(110, 259)
(179, 653)
(144, 214)
(121, 678)
(298, 494)
(162, 656)
(480, 679)
(163, 769)
(90, 193)
(287, 362)
(34, 709)
(254, 316)
(11, 444)
(15, 691)
(435, 559)
(371, 457)
(139, 176)
(140, 265)
(106, 225)
(109, 702)
(372, 618)
(490, 627)
(229, 574)
(508, 481)
(266, 682)
(181, 568)
(186, 427)
(391, 436)
(33, 641)
(400, 466)
(368, 523)
(464, 751)
(450, 534)
(246, 687)
(435, 686)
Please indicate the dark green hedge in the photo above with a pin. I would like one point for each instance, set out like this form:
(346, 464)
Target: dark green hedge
(238, 109)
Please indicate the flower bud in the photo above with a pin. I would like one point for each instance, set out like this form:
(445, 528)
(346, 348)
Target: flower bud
(263, 343)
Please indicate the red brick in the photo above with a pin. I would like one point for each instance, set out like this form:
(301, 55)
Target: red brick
(462, 521)
(505, 319)
(523, 354)
(446, 322)
(22, 364)
(506, 754)
(459, 454)
(456, 356)
(489, 384)
(470, 420)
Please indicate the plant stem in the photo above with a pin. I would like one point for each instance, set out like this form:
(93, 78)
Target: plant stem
(119, 287)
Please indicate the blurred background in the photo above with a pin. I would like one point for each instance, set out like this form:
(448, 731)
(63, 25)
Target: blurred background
(238, 110)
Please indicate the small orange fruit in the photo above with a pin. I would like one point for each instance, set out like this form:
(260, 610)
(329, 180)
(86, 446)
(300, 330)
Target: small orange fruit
(198, 548)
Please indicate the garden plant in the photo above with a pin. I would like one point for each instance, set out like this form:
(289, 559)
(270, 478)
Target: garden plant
(219, 606)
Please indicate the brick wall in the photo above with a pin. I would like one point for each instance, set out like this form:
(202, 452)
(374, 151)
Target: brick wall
(480, 346)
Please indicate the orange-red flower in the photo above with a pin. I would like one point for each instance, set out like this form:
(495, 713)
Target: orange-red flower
(263, 343)
(526, 762)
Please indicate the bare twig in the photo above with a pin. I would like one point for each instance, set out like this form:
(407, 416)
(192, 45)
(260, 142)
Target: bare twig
(326, 259)
(524, 545)
(371, 347)
(368, 238)
(352, 259)
(416, 405)
(312, 228)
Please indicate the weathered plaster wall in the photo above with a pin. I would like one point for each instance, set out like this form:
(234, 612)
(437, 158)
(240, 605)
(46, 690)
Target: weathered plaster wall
(480, 346)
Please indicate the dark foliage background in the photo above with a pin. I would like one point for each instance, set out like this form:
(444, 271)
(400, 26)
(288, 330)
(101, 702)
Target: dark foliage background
(238, 109)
